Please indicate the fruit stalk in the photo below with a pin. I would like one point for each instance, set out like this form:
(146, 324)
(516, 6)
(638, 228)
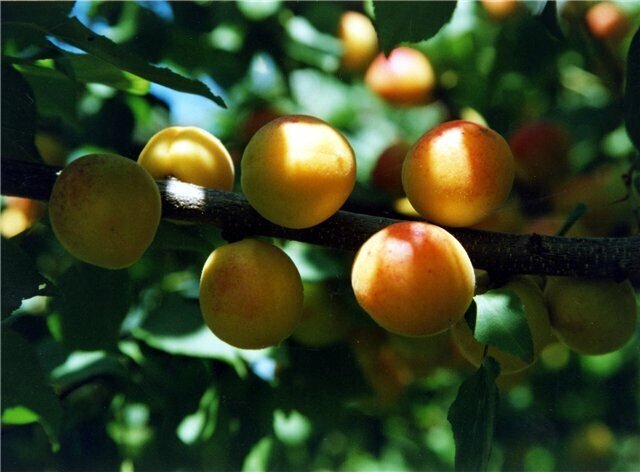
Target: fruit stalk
(501, 253)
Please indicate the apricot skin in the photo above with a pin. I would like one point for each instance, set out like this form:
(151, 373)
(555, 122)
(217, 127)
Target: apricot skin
(413, 278)
(458, 173)
(606, 21)
(537, 318)
(297, 171)
(387, 173)
(359, 40)
(406, 77)
(251, 294)
(105, 210)
(591, 316)
(188, 154)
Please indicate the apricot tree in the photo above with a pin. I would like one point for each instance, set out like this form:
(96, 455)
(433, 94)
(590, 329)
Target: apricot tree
(301, 320)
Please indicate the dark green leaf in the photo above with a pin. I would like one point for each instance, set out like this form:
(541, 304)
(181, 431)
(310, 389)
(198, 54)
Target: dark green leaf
(20, 277)
(632, 91)
(549, 17)
(177, 327)
(501, 322)
(43, 14)
(78, 35)
(91, 306)
(398, 22)
(58, 104)
(26, 395)
(18, 117)
(90, 69)
(472, 417)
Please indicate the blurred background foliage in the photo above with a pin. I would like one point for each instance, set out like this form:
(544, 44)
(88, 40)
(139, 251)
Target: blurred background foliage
(115, 370)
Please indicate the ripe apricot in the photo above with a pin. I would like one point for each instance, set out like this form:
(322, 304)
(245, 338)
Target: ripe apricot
(189, 154)
(605, 20)
(325, 318)
(541, 153)
(591, 316)
(458, 173)
(297, 171)
(251, 294)
(500, 10)
(537, 317)
(406, 77)
(19, 215)
(359, 40)
(387, 173)
(413, 278)
(105, 210)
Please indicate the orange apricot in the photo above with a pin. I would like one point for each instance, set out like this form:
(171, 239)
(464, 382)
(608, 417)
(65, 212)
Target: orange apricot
(251, 294)
(413, 278)
(406, 77)
(359, 40)
(605, 20)
(297, 171)
(387, 173)
(458, 173)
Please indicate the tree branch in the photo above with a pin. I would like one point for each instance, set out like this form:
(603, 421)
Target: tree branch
(501, 253)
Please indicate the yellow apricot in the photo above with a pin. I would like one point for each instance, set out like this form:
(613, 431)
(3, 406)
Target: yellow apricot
(325, 318)
(413, 278)
(458, 173)
(251, 294)
(500, 10)
(188, 154)
(105, 210)
(359, 40)
(297, 171)
(406, 77)
(537, 318)
(591, 316)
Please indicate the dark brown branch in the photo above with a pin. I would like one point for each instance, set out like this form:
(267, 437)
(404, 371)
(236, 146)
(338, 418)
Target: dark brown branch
(496, 252)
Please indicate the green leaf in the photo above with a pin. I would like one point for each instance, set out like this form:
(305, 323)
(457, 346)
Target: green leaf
(20, 277)
(78, 35)
(18, 117)
(26, 395)
(80, 366)
(472, 417)
(91, 304)
(501, 322)
(177, 327)
(632, 91)
(55, 93)
(44, 14)
(91, 69)
(398, 22)
(258, 458)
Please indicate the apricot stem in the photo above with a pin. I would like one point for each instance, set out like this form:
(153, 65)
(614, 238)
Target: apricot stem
(504, 253)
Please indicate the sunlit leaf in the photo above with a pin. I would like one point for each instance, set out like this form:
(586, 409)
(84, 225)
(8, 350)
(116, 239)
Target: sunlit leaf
(258, 457)
(472, 417)
(78, 35)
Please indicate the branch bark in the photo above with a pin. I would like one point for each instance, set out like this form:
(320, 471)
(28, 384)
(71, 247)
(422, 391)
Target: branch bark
(500, 253)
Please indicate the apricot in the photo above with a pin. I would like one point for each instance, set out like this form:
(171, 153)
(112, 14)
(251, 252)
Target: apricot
(413, 278)
(603, 192)
(606, 21)
(406, 77)
(325, 318)
(537, 317)
(105, 210)
(387, 173)
(251, 294)
(500, 10)
(297, 171)
(591, 316)
(458, 173)
(19, 215)
(189, 154)
(541, 153)
(359, 40)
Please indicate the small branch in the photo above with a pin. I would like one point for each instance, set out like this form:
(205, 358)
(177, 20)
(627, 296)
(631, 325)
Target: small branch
(501, 253)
